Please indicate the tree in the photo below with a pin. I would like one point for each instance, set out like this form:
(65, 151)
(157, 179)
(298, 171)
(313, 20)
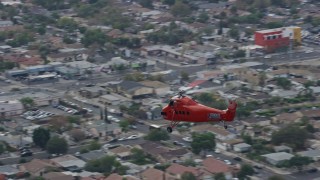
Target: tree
(233, 10)
(50, 4)
(146, 3)
(240, 53)
(94, 36)
(188, 176)
(102, 165)
(203, 17)
(138, 156)
(157, 135)
(262, 79)
(169, 2)
(234, 33)
(245, 170)
(219, 176)
(57, 145)
(59, 124)
(124, 124)
(40, 137)
(184, 76)
(78, 135)
(299, 161)
(189, 162)
(296, 161)
(94, 145)
(41, 30)
(179, 9)
(27, 102)
(283, 82)
(67, 24)
(202, 141)
(2, 148)
(276, 177)
(310, 128)
(291, 135)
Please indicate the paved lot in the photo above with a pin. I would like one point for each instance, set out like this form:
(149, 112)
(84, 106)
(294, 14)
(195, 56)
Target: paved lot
(55, 110)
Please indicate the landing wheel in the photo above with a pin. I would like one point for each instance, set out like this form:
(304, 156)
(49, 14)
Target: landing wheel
(225, 127)
(169, 129)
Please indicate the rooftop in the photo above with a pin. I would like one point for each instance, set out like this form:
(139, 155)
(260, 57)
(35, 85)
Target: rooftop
(215, 166)
(68, 161)
(280, 156)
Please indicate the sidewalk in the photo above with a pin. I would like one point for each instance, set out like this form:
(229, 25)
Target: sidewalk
(275, 170)
(173, 64)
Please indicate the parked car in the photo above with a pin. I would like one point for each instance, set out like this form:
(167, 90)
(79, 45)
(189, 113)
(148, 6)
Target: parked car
(132, 137)
(227, 162)
(133, 127)
(237, 158)
(258, 166)
(122, 139)
(312, 170)
(26, 154)
(187, 139)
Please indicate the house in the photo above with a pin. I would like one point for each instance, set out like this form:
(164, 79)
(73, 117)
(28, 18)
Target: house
(253, 121)
(10, 108)
(5, 24)
(154, 149)
(16, 140)
(115, 176)
(154, 112)
(92, 92)
(36, 167)
(82, 66)
(242, 147)
(57, 175)
(10, 170)
(155, 174)
(284, 93)
(220, 134)
(68, 162)
(114, 100)
(215, 166)
(177, 170)
(92, 155)
(40, 98)
(123, 152)
(160, 88)
(134, 169)
(286, 118)
(312, 114)
(228, 144)
(115, 63)
(313, 154)
(276, 158)
(177, 154)
(282, 148)
(134, 90)
(100, 128)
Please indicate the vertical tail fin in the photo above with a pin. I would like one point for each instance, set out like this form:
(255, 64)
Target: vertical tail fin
(231, 111)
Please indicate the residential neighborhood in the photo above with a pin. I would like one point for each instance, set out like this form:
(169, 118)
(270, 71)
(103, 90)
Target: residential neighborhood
(83, 85)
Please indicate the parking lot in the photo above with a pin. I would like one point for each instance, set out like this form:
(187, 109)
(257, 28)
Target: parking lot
(36, 114)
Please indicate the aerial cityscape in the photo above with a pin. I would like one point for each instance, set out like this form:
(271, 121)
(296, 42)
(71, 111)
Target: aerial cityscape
(160, 89)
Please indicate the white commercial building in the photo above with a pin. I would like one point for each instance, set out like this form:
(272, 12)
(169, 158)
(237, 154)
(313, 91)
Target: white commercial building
(10, 108)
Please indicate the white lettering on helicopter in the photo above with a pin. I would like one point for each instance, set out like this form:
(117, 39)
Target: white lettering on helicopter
(214, 116)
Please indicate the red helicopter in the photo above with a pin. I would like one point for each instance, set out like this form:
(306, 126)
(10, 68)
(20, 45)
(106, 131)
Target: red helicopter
(184, 108)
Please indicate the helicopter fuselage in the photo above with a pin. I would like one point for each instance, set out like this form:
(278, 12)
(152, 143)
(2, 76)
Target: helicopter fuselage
(187, 109)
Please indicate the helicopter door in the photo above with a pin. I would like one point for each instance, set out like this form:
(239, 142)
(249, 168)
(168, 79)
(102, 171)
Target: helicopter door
(181, 113)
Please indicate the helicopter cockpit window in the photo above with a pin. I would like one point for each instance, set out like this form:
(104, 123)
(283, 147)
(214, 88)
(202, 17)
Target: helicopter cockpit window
(171, 103)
